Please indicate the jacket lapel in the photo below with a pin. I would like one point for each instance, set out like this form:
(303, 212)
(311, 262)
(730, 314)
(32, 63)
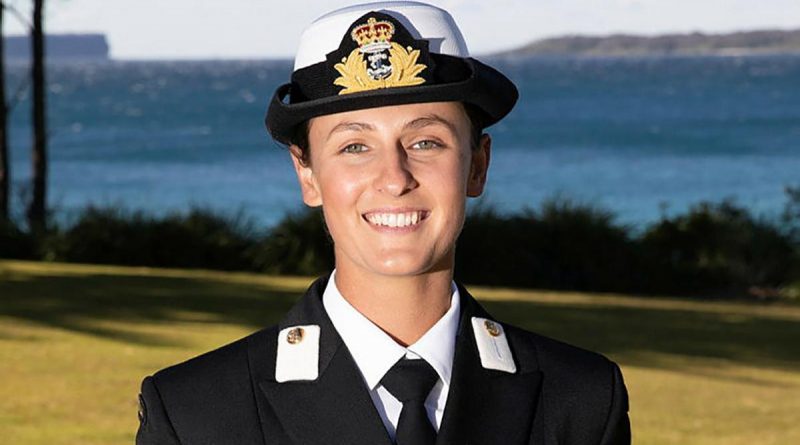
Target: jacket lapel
(484, 406)
(336, 407)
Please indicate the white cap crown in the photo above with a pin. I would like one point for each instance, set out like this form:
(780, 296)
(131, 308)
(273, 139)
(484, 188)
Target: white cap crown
(423, 21)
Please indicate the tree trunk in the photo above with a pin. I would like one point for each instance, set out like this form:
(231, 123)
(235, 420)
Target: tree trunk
(5, 164)
(37, 210)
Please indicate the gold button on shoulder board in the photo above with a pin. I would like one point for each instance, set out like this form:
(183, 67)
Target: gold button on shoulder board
(294, 336)
(492, 328)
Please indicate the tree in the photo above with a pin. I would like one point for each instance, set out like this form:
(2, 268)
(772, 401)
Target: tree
(37, 212)
(5, 164)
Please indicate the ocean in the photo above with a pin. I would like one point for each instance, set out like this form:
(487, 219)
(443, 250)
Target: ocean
(641, 137)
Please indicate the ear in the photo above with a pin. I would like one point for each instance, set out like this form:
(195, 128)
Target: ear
(479, 166)
(305, 176)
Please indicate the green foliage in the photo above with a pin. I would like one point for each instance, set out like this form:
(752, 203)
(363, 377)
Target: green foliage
(717, 248)
(298, 245)
(790, 218)
(14, 242)
(564, 246)
(713, 249)
(199, 238)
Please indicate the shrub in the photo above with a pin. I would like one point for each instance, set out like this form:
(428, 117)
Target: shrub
(564, 246)
(790, 217)
(717, 248)
(298, 245)
(713, 249)
(15, 243)
(110, 235)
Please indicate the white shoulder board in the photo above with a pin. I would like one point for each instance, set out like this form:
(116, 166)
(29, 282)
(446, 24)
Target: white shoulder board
(493, 345)
(298, 354)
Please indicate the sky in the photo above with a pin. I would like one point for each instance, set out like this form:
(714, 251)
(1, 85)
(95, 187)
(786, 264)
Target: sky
(257, 29)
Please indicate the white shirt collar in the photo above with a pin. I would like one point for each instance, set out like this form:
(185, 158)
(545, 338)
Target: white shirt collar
(375, 352)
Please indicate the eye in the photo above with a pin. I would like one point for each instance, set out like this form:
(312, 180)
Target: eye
(354, 148)
(426, 145)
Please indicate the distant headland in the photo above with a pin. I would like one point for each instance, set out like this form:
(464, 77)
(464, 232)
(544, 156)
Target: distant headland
(694, 44)
(60, 47)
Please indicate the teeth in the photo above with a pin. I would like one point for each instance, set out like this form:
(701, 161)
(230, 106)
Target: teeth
(395, 219)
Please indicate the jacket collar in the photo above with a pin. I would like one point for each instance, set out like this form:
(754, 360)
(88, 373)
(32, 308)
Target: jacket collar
(484, 406)
(375, 352)
(335, 404)
(488, 406)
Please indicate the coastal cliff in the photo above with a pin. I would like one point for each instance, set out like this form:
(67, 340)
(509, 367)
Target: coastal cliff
(737, 43)
(60, 47)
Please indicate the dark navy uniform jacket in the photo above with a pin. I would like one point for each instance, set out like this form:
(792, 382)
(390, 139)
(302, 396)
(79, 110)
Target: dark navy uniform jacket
(556, 395)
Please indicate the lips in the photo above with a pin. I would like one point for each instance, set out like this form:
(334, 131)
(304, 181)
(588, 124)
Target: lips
(396, 219)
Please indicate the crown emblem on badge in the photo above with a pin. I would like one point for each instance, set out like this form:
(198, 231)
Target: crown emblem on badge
(373, 34)
(377, 62)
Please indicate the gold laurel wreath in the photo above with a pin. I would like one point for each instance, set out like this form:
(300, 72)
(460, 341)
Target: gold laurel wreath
(354, 77)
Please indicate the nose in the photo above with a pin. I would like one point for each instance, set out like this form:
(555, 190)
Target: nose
(395, 176)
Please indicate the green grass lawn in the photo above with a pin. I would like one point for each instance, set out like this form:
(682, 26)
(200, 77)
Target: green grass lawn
(75, 342)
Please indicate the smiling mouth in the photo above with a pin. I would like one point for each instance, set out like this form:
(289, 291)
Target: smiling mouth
(396, 219)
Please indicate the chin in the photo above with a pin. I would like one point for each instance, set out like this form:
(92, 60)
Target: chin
(396, 267)
(409, 264)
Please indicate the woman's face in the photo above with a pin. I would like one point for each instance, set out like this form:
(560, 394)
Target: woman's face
(393, 183)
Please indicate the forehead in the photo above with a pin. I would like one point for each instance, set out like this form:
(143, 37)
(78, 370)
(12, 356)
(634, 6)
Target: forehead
(450, 115)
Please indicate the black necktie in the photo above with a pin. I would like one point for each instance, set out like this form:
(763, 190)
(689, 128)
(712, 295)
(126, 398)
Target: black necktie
(410, 381)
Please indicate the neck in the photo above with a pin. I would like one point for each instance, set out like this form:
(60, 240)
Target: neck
(403, 307)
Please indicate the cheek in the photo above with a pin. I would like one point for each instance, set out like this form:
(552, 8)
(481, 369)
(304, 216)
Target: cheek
(340, 187)
(449, 185)
(453, 176)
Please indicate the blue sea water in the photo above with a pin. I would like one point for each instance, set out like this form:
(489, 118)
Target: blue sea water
(642, 137)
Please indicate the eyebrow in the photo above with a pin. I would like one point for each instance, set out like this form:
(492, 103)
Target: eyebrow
(420, 122)
(350, 126)
(430, 119)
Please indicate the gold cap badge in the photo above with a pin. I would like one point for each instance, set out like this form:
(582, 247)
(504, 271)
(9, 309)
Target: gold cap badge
(377, 62)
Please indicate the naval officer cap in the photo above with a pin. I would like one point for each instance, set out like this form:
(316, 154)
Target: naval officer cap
(386, 53)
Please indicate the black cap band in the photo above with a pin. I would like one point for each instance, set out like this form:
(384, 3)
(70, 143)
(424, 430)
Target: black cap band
(378, 63)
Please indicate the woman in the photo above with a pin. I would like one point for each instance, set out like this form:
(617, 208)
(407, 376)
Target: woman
(384, 119)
